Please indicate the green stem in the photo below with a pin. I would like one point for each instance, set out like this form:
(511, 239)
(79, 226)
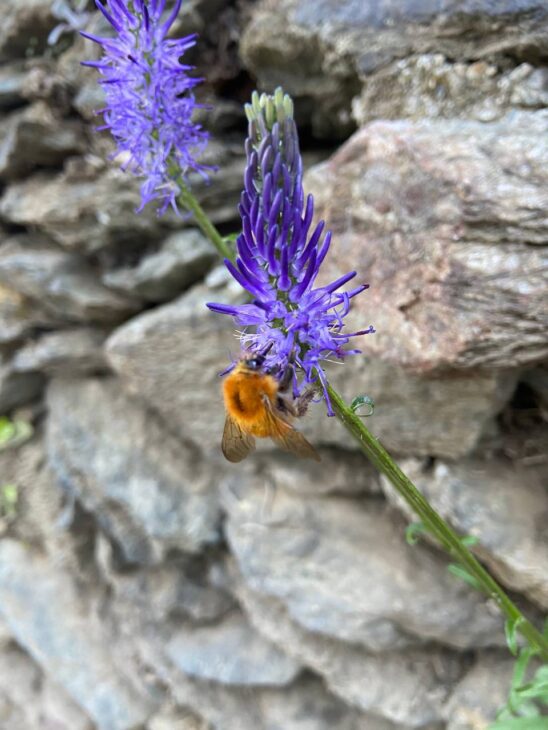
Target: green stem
(436, 525)
(188, 201)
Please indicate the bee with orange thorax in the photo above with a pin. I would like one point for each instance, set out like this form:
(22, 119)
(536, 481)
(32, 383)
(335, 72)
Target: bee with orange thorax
(256, 407)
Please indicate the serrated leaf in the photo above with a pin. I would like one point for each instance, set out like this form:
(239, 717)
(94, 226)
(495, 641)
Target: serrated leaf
(460, 572)
(414, 531)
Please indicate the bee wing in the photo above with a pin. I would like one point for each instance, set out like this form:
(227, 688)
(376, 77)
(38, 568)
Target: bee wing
(236, 444)
(287, 437)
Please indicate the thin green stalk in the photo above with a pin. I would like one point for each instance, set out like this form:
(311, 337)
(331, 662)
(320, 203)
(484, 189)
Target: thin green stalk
(189, 202)
(436, 525)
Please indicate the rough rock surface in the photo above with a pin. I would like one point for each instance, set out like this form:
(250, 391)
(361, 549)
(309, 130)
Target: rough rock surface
(324, 52)
(36, 136)
(505, 507)
(303, 706)
(88, 207)
(62, 282)
(315, 556)
(364, 680)
(64, 352)
(149, 491)
(20, 678)
(17, 388)
(430, 85)
(25, 27)
(20, 316)
(183, 259)
(49, 618)
(481, 694)
(231, 652)
(463, 205)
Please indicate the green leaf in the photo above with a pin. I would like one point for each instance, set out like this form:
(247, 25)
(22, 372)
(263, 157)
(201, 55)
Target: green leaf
(414, 531)
(363, 401)
(510, 629)
(460, 572)
(7, 430)
(469, 540)
(520, 723)
(534, 691)
(14, 433)
(520, 669)
(9, 495)
(231, 238)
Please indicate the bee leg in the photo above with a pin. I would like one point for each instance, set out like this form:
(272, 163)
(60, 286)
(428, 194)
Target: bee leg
(287, 378)
(302, 402)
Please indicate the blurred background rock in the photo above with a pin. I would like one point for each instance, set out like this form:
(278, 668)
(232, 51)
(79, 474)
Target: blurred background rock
(146, 583)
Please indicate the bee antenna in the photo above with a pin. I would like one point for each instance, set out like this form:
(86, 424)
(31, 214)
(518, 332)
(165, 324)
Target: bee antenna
(261, 357)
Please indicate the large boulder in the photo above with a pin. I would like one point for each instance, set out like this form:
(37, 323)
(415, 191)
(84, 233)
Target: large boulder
(343, 569)
(148, 493)
(325, 53)
(443, 220)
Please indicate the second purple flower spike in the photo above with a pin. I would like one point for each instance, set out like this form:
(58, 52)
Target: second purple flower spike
(280, 254)
(149, 101)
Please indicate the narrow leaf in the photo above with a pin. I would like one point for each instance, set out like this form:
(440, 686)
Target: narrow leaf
(460, 572)
(414, 531)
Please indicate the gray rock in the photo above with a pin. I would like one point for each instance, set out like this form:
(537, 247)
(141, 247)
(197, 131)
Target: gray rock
(62, 282)
(343, 569)
(50, 617)
(339, 471)
(30, 701)
(183, 259)
(167, 591)
(89, 208)
(445, 413)
(148, 493)
(89, 98)
(303, 706)
(25, 28)
(85, 208)
(20, 316)
(439, 218)
(365, 681)
(17, 389)
(503, 505)
(36, 137)
(429, 85)
(176, 719)
(231, 652)
(65, 352)
(11, 85)
(195, 346)
(323, 52)
(481, 693)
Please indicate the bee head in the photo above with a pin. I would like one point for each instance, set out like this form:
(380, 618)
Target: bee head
(255, 361)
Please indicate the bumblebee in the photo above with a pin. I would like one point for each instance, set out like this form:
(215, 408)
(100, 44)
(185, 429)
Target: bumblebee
(258, 407)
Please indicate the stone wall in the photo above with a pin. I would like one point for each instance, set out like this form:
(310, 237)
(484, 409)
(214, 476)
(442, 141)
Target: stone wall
(144, 582)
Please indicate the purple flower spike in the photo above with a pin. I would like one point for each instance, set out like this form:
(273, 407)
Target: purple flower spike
(279, 257)
(149, 101)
